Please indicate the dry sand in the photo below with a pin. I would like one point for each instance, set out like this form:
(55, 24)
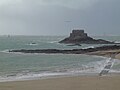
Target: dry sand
(66, 83)
(111, 82)
(107, 53)
(117, 56)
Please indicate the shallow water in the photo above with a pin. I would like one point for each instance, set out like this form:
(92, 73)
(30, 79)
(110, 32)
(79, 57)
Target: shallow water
(17, 66)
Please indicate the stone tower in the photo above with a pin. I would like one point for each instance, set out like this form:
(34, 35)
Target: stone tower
(78, 34)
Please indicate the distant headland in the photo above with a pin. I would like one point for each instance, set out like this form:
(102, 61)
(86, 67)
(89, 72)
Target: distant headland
(80, 37)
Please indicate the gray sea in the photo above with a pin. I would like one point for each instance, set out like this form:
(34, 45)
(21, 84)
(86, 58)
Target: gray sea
(20, 66)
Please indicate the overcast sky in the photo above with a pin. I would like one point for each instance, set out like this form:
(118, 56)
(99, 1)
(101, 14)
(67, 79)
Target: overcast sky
(59, 17)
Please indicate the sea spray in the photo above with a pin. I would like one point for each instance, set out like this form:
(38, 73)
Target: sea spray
(107, 66)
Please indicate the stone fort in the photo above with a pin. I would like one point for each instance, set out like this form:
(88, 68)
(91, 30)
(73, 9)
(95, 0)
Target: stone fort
(76, 33)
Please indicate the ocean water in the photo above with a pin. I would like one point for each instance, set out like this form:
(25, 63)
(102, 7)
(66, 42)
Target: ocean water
(19, 66)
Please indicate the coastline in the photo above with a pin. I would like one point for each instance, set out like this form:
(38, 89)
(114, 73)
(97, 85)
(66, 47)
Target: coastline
(107, 53)
(83, 82)
(101, 54)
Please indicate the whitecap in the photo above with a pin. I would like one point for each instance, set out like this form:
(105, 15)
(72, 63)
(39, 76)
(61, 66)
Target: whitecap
(32, 44)
(117, 41)
(53, 42)
(88, 47)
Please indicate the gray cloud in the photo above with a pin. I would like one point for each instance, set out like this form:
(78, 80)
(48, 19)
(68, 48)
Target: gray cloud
(47, 17)
(71, 3)
(66, 3)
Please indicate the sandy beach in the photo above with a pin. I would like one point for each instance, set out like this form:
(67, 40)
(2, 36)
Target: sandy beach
(107, 53)
(109, 82)
(66, 83)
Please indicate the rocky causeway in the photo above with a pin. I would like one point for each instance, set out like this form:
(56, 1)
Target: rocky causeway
(73, 51)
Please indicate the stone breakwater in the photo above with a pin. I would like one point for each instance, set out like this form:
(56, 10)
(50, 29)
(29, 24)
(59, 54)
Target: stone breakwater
(73, 51)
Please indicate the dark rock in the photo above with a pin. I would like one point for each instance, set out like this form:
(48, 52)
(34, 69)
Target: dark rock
(78, 36)
(76, 44)
(33, 43)
(73, 51)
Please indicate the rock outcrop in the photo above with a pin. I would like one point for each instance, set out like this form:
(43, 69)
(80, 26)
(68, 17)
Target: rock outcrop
(79, 37)
(73, 51)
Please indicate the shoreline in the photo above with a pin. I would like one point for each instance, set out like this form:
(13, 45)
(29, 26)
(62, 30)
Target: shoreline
(78, 82)
(66, 83)
(111, 74)
(102, 54)
(63, 75)
(107, 53)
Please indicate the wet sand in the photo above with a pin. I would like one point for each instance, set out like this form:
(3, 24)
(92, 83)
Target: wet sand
(107, 53)
(117, 56)
(66, 83)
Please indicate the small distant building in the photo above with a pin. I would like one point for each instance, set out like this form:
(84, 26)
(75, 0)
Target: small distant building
(78, 34)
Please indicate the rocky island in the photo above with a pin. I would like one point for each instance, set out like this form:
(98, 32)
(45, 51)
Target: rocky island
(79, 37)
